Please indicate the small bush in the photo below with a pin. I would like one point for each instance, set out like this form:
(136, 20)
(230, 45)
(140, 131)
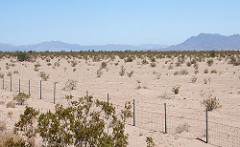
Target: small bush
(103, 65)
(2, 126)
(144, 61)
(10, 113)
(122, 71)
(128, 59)
(70, 85)
(211, 103)
(152, 64)
(23, 56)
(44, 76)
(150, 142)
(9, 74)
(99, 73)
(175, 89)
(21, 98)
(205, 71)
(182, 72)
(214, 71)
(210, 62)
(10, 104)
(193, 79)
(182, 128)
(130, 74)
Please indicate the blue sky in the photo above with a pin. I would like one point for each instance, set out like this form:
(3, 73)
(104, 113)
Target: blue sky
(99, 22)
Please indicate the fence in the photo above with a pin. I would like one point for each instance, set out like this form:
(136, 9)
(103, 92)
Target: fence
(162, 118)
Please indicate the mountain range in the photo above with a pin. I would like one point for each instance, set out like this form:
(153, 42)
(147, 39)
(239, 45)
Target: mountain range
(201, 42)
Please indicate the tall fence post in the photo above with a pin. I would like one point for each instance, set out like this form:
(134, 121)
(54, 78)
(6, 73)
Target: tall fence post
(54, 93)
(29, 90)
(19, 86)
(134, 114)
(40, 89)
(10, 83)
(165, 112)
(108, 98)
(3, 83)
(206, 125)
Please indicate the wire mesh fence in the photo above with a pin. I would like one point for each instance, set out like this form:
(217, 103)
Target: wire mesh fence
(155, 117)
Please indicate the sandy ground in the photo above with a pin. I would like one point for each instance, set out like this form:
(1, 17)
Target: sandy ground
(151, 87)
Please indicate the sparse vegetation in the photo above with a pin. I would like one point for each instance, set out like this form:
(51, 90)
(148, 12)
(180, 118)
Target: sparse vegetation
(211, 103)
(150, 142)
(175, 89)
(10, 104)
(44, 76)
(22, 56)
(20, 98)
(130, 74)
(122, 71)
(210, 62)
(70, 85)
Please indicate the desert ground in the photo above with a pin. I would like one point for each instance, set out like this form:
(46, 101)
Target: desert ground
(182, 82)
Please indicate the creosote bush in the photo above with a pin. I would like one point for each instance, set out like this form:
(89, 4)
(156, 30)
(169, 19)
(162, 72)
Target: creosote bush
(150, 142)
(21, 98)
(211, 103)
(10, 104)
(175, 89)
(22, 56)
(80, 124)
(122, 71)
(44, 76)
(70, 85)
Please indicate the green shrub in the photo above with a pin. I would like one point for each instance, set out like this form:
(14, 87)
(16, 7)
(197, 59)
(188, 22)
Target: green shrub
(150, 142)
(21, 98)
(23, 56)
(210, 62)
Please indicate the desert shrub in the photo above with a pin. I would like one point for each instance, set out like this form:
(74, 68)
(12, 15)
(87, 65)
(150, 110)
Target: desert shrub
(182, 128)
(49, 64)
(20, 98)
(10, 113)
(10, 104)
(211, 103)
(116, 64)
(188, 63)
(74, 69)
(122, 71)
(150, 142)
(128, 59)
(214, 71)
(152, 64)
(99, 73)
(23, 56)
(2, 126)
(44, 76)
(205, 71)
(79, 124)
(170, 66)
(130, 74)
(103, 65)
(15, 72)
(11, 140)
(9, 74)
(193, 79)
(210, 62)
(73, 63)
(70, 85)
(182, 72)
(1, 75)
(144, 61)
(234, 61)
(175, 89)
(36, 66)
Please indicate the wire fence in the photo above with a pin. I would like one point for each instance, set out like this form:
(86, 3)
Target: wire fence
(155, 117)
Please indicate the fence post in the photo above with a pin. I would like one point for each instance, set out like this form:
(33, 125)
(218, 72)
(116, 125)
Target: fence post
(10, 83)
(29, 92)
(19, 86)
(165, 111)
(54, 93)
(40, 89)
(108, 98)
(3, 83)
(206, 125)
(134, 114)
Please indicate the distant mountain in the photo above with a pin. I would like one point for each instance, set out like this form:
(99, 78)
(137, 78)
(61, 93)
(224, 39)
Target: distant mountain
(59, 46)
(209, 42)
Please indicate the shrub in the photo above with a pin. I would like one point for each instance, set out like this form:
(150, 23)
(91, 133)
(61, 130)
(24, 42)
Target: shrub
(99, 73)
(2, 126)
(152, 64)
(70, 85)
(9, 74)
(214, 71)
(130, 74)
(21, 98)
(10, 113)
(73, 63)
(103, 65)
(182, 72)
(182, 128)
(206, 71)
(150, 142)
(44, 76)
(211, 103)
(144, 61)
(11, 140)
(122, 71)
(10, 104)
(210, 62)
(23, 56)
(79, 124)
(175, 89)
(128, 59)
(193, 79)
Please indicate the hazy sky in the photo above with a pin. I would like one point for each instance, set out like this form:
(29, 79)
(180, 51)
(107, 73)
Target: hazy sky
(98, 22)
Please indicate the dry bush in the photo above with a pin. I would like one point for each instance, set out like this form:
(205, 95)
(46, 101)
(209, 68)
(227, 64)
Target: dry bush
(103, 65)
(150, 142)
(99, 73)
(193, 79)
(9, 74)
(2, 126)
(44, 76)
(1, 75)
(10, 113)
(36, 67)
(205, 71)
(49, 64)
(152, 64)
(182, 128)
(73, 63)
(210, 62)
(175, 89)
(130, 74)
(15, 72)
(122, 71)
(211, 103)
(10, 104)
(182, 72)
(70, 85)
(9, 139)
(21, 98)
(214, 71)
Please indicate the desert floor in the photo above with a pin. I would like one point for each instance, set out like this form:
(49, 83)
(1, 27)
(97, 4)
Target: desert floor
(151, 87)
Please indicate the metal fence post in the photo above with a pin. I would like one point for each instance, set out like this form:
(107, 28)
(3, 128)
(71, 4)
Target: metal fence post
(108, 98)
(206, 125)
(19, 86)
(29, 92)
(54, 93)
(40, 89)
(10, 83)
(87, 97)
(134, 114)
(165, 111)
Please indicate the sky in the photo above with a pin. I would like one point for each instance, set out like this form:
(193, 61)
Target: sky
(100, 22)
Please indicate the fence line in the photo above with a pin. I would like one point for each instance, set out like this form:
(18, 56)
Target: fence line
(155, 117)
